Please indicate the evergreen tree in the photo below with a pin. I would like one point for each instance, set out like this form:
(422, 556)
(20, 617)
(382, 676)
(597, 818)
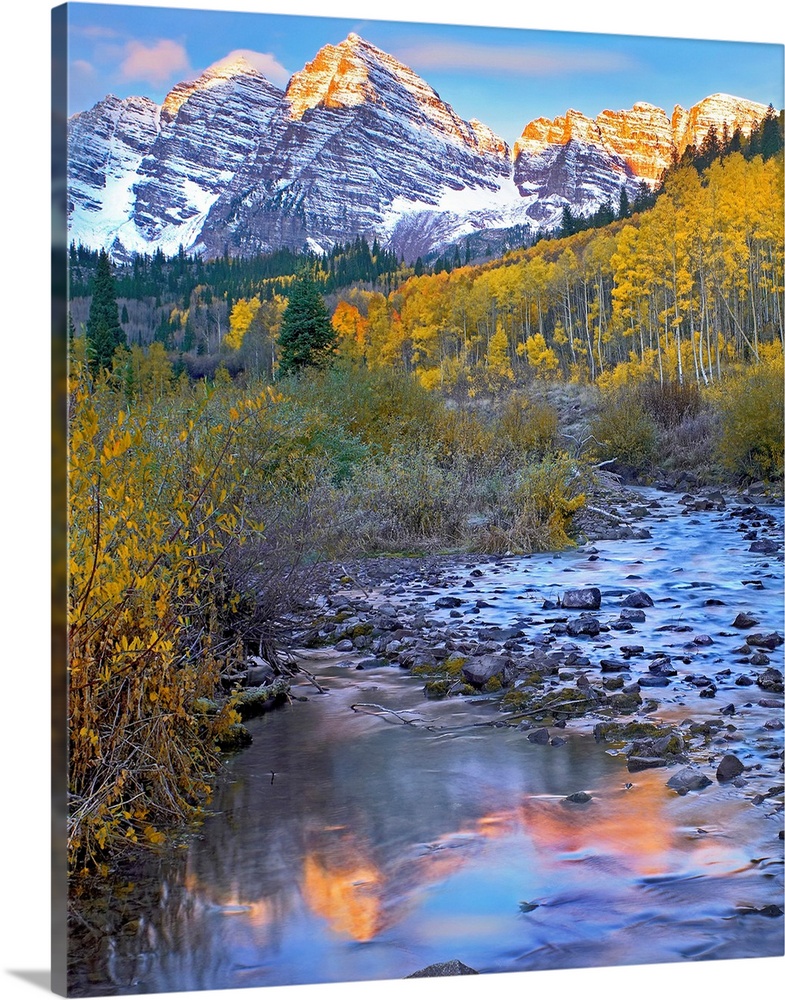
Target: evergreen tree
(624, 203)
(103, 332)
(307, 337)
(736, 141)
(770, 134)
(709, 151)
(568, 223)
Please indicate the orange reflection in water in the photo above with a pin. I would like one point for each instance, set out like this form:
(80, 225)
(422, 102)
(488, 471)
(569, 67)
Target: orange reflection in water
(345, 890)
(629, 826)
(344, 882)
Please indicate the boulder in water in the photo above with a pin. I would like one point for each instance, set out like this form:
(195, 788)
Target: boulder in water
(451, 968)
(637, 599)
(582, 599)
(730, 767)
(688, 779)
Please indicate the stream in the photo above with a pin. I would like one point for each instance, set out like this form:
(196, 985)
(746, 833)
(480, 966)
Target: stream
(369, 831)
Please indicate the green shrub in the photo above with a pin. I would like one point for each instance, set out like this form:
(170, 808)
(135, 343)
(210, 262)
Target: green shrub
(537, 514)
(382, 408)
(406, 498)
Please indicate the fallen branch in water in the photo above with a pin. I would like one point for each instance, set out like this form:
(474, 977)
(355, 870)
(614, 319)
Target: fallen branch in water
(381, 710)
(312, 679)
(556, 707)
(291, 667)
(605, 513)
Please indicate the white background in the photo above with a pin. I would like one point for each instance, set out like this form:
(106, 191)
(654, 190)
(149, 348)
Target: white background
(24, 461)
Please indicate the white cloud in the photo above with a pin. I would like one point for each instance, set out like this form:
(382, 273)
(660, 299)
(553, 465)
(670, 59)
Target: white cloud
(83, 69)
(155, 64)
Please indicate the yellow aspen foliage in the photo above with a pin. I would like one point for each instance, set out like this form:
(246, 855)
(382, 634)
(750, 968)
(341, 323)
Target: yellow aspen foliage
(539, 356)
(351, 327)
(499, 368)
(243, 313)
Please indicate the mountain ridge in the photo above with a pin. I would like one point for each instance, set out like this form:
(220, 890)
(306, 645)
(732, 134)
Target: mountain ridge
(357, 144)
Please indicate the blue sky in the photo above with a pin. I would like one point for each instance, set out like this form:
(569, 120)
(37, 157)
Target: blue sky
(505, 77)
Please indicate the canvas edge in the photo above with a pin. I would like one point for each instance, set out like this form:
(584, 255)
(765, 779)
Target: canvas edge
(59, 311)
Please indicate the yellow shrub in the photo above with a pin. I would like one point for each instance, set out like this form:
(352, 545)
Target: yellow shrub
(152, 512)
(750, 404)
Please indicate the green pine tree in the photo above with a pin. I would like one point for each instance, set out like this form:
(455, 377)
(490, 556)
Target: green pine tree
(770, 134)
(624, 204)
(103, 332)
(307, 338)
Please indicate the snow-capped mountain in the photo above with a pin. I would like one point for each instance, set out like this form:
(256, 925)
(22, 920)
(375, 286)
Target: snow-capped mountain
(358, 141)
(358, 144)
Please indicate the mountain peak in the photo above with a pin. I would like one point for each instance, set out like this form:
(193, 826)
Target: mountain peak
(717, 110)
(355, 72)
(235, 64)
(339, 76)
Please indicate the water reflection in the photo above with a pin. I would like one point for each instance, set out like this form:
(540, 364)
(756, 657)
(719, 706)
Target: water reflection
(346, 847)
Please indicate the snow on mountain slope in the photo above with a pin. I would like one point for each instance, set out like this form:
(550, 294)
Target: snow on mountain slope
(356, 131)
(358, 144)
(106, 146)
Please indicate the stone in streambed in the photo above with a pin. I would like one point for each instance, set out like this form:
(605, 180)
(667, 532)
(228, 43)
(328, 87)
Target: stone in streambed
(654, 680)
(770, 680)
(763, 640)
(744, 621)
(643, 763)
(585, 625)
(633, 615)
(578, 797)
(448, 602)
(611, 666)
(730, 767)
(235, 737)
(765, 546)
(583, 599)
(451, 968)
(688, 779)
(772, 910)
(478, 670)
(662, 666)
(539, 736)
(637, 599)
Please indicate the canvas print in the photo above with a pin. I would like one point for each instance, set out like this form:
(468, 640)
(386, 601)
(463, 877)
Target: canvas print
(421, 400)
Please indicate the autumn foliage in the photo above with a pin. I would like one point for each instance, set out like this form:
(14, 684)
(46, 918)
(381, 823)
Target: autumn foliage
(422, 418)
(677, 293)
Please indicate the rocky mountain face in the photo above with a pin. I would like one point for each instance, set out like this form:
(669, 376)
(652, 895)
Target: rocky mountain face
(358, 144)
(358, 140)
